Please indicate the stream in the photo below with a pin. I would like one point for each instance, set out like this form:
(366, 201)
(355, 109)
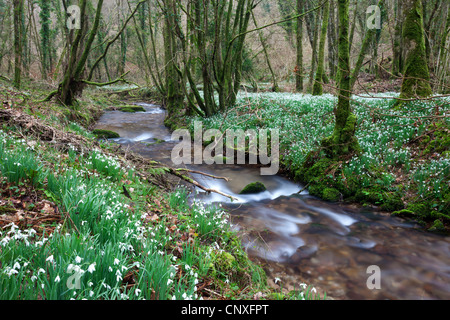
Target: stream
(301, 239)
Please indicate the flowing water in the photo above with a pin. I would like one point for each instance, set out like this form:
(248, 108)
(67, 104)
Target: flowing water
(301, 239)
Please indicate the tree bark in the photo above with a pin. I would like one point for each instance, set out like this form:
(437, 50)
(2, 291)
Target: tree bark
(318, 87)
(18, 9)
(416, 78)
(343, 141)
(299, 68)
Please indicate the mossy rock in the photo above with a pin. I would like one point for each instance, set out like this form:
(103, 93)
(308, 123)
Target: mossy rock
(419, 209)
(223, 261)
(254, 187)
(437, 226)
(404, 213)
(132, 109)
(331, 194)
(105, 134)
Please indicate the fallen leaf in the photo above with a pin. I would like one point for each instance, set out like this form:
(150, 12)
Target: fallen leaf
(48, 209)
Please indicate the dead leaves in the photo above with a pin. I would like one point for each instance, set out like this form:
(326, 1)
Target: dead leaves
(43, 216)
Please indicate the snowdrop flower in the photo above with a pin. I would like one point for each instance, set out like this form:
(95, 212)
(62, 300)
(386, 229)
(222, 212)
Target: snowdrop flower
(277, 280)
(137, 292)
(57, 279)
(116, 261)
(78, 259)
(50, 259)
(41, 271)
(314, 290)
(91, 268)
(169, 281)
(16, 265)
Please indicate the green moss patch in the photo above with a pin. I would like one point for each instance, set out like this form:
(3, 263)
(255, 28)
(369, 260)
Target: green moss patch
(105, 134)
(132, 109)
(252, 188)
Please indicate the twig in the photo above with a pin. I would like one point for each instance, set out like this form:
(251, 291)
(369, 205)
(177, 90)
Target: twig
(205, 174)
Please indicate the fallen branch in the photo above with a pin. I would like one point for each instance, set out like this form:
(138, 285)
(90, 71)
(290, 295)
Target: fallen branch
(205, 174)
(195, 183)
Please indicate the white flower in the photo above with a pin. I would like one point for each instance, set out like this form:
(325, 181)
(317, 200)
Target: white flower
(57, 279)
(277, 280)
(91, 293)
(50, 259)
(91, 268)
(41, 271)
(137, 292)
(169, 281)
(116, 261)
(314, 290)
(16, 265)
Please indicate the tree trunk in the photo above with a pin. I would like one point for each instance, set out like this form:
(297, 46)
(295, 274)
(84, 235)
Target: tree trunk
(174, 95)
(416, 78)
(397, 63)
(318, 87)
(18, 9)
(332, 53)
(343, 141)
(314, 51)
(299, 67)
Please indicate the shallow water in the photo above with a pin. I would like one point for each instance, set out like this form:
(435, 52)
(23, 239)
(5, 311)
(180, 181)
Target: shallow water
(301, 239)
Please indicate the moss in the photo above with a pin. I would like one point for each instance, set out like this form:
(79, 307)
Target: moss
(308, 172)
(331, 194)
(4, 210)
(222, 261)
(404, 213)
(416, 75)
(437, 226)
(254, 187)
(419, 209)
(392, 202)
(372, 196)
(105, 134)
(132, 109)
(343, 141)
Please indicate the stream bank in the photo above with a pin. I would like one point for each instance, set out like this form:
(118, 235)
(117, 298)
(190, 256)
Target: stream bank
(298, 238)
